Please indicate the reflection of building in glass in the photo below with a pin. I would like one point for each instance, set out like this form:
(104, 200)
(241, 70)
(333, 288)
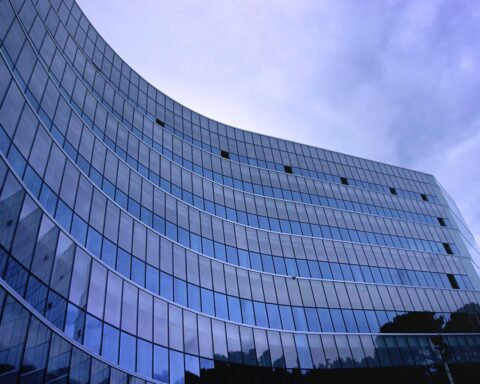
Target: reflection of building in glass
(141, 241)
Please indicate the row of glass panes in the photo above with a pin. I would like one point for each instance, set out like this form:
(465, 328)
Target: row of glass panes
(243, 310)
(423, 245)
(248, 312)
(47, 353)
(327, 232)
(32, 352)
(133, 267)
(261, 262)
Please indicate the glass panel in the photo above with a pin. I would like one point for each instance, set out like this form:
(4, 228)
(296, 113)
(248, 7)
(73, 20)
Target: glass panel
(160, 364)
(177, 374)
(261, 346)
(127, 351)
(110, 343)
(303, 351)
(276, 350)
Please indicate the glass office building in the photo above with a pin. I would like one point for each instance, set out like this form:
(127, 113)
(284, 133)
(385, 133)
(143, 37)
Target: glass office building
(143, 242)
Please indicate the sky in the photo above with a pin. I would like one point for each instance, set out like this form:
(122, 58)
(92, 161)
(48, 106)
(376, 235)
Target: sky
(391, 81)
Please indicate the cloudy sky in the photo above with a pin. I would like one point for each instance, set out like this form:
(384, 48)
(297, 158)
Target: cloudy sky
(393, 81)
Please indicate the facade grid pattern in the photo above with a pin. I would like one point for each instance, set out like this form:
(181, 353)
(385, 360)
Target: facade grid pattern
(143, 242)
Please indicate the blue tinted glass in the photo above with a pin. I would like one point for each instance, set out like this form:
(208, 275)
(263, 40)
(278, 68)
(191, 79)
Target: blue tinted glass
(166, 286)
(160, 364)
(109, 253)
(287, 318)
(127, 351)
(110, 343)
(346, 272)
(357, 273)
(312, 320)
(144, 358)
(176, 368)
(247, 312)
(196, 242)
(299, 318)
(207, 302)
(279, 265)
(350, 322)
(79, 229)
(325, 269)
(93, 334)
(291, 267)
(63, 215)
(244, 258)
(194, 297)
(220, 252)
(303, 351)
(336, 271)
(74, 323)
(325, 320)
(382, 318)
(267, 262)
(367, 274)
(159, 224)
(48, 199)
(232, 256)
(208, 247)
(361, 321)
(395, 276)
(221, 305)
(274, 316)
(123, 262)
(386, 276)
(234, 309)
(192, 365)
(152, 279)
(303, 268)
(260, 314)
(314, 269)
(138, 271)
(171, 231)
(256, 261)
(180, 291)
(183, 237)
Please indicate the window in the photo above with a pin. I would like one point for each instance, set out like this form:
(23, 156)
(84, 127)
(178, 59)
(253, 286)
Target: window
(424, 197)
(225, 154)
(448, 249)
(393, 191)
(344, 180)
(288, 168)
(160, 122)
(453, 281)
(110, 343)
(441, 221)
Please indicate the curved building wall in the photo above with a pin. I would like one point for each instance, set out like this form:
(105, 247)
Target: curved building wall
(142, 241)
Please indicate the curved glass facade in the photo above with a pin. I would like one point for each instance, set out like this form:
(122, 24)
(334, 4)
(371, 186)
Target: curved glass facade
(141, 241)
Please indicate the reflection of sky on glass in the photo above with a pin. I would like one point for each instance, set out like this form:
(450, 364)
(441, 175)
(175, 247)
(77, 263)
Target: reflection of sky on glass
(393, 81)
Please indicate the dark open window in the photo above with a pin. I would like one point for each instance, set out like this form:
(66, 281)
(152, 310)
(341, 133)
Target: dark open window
(393, 191)
(288, 168)
(441, 221)
(448, 249)
(225, 154)
(424, 197)
(160, 122)
(344, 180)
(453, 281)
